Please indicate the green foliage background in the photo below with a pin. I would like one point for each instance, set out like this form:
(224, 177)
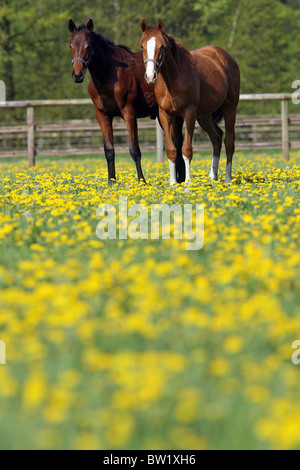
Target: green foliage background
(261, 35)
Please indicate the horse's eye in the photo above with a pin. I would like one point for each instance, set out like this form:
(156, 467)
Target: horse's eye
(142, 47)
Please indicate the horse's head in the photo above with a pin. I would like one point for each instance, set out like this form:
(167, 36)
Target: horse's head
(81, 49)
(153, 45)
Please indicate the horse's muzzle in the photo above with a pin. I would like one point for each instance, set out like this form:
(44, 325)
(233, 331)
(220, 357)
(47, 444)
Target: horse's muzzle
(78, 78)
(151, 80)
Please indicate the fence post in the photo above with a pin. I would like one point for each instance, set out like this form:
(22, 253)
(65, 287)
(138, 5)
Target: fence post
(2, 91)
(285, 129)
(159, 142)
(30, 136)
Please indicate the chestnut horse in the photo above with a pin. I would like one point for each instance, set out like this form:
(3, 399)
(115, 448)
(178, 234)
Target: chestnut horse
(117, 87)
(203, 84)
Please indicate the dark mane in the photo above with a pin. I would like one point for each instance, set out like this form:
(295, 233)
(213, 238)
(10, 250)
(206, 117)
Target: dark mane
(105, 42)
(175, 46)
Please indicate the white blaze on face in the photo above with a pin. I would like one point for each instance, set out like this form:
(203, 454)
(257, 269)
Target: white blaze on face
(150, 55)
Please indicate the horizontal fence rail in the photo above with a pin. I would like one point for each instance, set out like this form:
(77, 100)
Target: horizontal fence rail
(248, 130)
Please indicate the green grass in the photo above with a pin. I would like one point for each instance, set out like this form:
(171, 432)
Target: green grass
(141, 344)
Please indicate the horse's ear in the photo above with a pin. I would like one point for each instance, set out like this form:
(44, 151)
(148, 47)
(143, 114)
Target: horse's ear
(143, 25)
(160, 24)
(90, 25)
(72, 26)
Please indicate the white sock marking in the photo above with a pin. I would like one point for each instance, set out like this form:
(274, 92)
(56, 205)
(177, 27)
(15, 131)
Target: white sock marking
(228, 172)
(214, 168)
(173, 179)
(150, 54)
(187, 168)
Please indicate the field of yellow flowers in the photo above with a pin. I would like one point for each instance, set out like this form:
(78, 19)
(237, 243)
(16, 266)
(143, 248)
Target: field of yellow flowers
(141, 344)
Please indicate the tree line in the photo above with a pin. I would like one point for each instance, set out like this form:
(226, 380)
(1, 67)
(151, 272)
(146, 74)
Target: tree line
(262, 35)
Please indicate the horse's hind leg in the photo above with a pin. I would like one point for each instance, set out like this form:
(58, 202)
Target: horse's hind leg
(134, 149)
(215, 134)
(106, 128)
(230, 118)
(136, 155)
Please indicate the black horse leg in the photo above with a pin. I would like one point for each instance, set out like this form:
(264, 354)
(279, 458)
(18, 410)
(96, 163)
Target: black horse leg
(105, 123)
(110, 158)
(136, 155)
(134, 149)
(178, 141)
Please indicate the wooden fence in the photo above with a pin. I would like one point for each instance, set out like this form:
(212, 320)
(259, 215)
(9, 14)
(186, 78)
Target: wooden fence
(251, 125)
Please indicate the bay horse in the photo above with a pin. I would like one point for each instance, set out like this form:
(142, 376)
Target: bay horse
(117, 87)
(202, 85)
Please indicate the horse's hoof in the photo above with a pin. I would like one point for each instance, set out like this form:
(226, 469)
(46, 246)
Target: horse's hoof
(111, 183)
(180, 180)
(213, 177)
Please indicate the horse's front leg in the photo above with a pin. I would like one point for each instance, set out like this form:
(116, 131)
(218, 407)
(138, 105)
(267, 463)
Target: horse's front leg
(134, 148)
(167, 123)
(187, 148)
(105, 123)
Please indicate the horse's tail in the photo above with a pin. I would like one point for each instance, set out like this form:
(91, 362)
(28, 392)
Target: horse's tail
(217, 116)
